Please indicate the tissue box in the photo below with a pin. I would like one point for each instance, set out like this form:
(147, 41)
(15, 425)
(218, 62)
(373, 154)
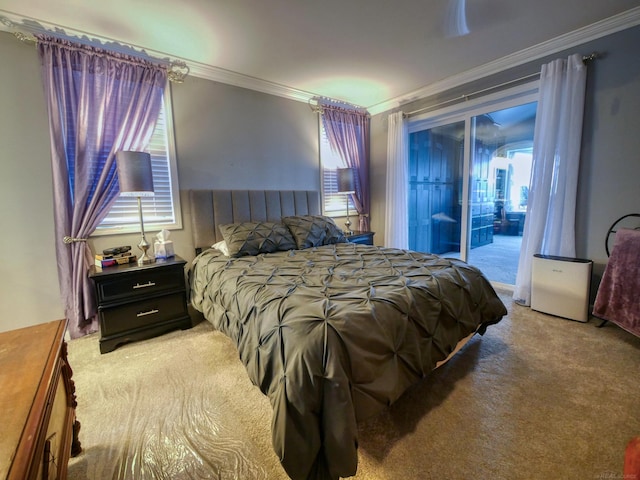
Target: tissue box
(163, 249)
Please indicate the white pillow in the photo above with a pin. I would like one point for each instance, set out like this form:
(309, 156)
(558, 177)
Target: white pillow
(221, 247)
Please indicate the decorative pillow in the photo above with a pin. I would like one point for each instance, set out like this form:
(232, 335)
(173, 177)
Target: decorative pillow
(313, 230)
(221, 246)
(252, 238)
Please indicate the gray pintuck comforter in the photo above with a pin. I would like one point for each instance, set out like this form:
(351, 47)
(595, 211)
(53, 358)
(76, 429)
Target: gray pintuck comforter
(334, 334)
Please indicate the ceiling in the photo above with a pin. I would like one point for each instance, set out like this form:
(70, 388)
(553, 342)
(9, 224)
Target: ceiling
(372, 53)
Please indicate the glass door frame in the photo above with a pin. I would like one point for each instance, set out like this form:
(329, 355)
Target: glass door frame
(466, 111)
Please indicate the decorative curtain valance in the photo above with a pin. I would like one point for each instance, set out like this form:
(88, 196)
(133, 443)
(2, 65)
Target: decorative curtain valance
(34, 31)
(323, 105)
(79, 54)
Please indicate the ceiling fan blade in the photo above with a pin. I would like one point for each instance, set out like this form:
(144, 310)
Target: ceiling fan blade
(456, 21)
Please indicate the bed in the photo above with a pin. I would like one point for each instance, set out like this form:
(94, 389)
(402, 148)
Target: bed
(332, 332)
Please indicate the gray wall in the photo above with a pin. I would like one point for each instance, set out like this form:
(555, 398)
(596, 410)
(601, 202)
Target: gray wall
(226, 137)
(229, 137)
(28, 276)
(610, 156)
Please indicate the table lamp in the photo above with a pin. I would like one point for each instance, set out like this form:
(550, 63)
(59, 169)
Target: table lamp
(347, 185)
(136, 180)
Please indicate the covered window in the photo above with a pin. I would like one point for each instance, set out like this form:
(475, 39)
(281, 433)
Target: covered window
(334, 203)
(163, 209)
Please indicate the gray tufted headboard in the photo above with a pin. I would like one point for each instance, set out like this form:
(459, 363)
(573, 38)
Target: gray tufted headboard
(210, 208)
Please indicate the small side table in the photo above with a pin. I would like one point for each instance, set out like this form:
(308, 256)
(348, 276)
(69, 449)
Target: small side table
(136, 302)
(365, 238)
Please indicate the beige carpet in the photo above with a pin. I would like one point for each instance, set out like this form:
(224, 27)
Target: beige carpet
(537, 397)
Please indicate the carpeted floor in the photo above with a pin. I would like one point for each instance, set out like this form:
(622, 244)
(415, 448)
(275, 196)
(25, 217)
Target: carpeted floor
(537, 397)
(498, 260)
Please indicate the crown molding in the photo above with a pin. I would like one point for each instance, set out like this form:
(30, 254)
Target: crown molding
(228, 77)
(17, 24)
(14, 23)
(605, 27)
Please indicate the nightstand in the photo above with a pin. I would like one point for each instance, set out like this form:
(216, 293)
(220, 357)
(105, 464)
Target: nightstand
(136, 302)
(365, 238)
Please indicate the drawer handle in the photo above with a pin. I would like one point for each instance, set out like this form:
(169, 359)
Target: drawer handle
(150, 312)
(144, 285)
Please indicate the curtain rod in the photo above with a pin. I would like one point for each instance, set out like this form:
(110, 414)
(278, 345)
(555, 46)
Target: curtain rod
(326, 103)
(585, 59)
(177, 70)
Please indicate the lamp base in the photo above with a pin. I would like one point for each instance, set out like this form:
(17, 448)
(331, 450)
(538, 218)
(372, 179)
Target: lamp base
(144, 259)
(347, 224)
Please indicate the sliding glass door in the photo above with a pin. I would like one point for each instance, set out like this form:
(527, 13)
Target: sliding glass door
(468, 182)
(503, 141)
(435, 188)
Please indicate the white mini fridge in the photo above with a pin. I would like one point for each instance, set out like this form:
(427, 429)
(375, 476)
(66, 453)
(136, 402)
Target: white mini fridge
(560, 286)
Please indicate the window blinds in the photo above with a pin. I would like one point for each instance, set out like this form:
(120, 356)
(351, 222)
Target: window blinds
(159, 209)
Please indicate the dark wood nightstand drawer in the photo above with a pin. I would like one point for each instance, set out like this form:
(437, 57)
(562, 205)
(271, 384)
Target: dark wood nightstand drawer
(140, 301)
(365, 238)
(141, 283)
(143, 313)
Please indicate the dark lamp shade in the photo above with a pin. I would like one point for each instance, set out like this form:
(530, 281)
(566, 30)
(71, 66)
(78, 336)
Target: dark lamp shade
(134, 174)
(346, 180)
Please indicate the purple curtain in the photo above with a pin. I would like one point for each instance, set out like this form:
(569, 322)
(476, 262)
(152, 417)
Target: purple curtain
(348, 134)
(98, 103)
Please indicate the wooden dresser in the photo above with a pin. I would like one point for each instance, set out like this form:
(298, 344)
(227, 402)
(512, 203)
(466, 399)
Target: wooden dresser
(37, 403)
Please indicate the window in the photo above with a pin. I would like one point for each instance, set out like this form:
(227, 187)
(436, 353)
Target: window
(334, 203)
(163, 209)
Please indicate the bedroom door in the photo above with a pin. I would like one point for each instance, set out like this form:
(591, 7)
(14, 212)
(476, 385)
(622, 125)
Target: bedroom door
(468, 184)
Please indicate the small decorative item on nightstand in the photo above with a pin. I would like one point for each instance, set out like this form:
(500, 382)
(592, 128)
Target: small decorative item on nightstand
(365, 238)
(136, 302)
(162, 246)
